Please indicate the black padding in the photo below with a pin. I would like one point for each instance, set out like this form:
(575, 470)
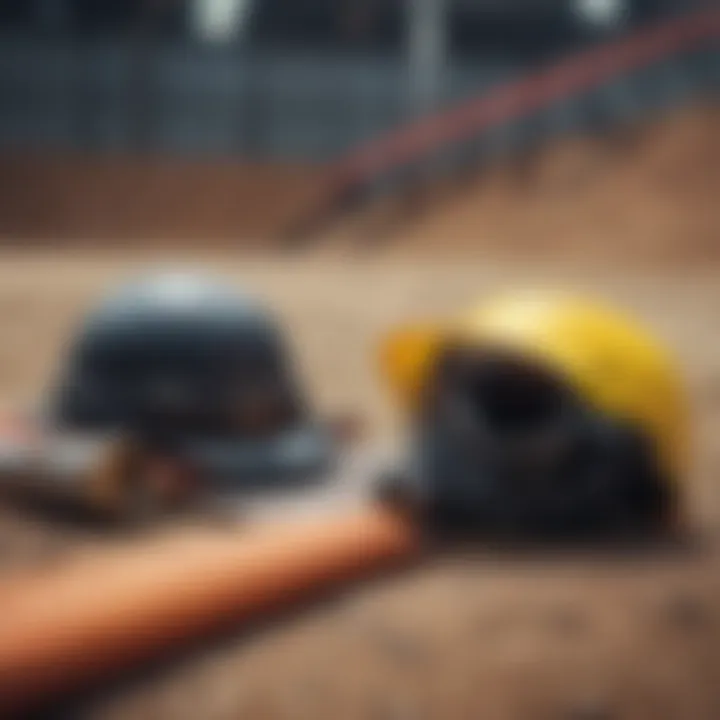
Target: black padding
(505, 447)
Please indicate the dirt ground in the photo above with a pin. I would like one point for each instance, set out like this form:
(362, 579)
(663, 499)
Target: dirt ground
(485, 634)
(650, 188)
(49, 199)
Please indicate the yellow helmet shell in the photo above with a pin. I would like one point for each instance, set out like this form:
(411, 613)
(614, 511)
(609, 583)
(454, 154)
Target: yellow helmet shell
(609, 359)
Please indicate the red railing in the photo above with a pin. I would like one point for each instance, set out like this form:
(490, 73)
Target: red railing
(579, 73)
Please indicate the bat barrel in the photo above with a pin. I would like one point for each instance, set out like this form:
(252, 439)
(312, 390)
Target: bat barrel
(103, 614)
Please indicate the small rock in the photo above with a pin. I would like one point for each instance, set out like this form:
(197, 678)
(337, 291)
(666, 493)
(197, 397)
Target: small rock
(399, 647)
(567, 621)
(387, 709)
(686, 612)
(590, 709)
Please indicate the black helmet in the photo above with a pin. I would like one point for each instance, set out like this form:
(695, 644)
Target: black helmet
(177, 355)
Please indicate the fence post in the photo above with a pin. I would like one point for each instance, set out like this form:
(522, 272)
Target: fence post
(141, 105)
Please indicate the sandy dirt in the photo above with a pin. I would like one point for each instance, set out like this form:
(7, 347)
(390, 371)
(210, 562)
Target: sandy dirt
(484, 634)
(650, 189)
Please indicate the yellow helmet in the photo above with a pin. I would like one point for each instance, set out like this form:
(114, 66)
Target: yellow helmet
(609, 360)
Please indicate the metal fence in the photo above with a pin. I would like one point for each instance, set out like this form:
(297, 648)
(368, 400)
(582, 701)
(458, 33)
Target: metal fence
(172, 96)
(189, 99)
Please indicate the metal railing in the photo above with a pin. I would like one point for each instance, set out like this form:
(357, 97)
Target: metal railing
(658, 66)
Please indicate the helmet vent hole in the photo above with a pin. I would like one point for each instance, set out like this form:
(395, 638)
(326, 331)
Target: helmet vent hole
(512, 397)
(505, 395)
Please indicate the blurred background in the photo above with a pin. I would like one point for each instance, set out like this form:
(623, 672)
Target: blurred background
(245, 120)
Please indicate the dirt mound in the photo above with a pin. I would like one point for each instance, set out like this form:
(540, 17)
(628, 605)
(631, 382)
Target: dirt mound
(643, 194)
(125, 200)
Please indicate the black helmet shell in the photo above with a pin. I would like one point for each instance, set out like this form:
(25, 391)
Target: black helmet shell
(167, 350)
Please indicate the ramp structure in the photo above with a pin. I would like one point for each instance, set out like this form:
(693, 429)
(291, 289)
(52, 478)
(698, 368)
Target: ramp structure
(635, 79)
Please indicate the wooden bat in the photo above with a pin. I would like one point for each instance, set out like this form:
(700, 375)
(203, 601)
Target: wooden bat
(73, 625)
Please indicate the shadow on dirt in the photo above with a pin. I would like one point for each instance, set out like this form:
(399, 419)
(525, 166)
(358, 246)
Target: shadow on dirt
(669, 548)
(58, 512)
